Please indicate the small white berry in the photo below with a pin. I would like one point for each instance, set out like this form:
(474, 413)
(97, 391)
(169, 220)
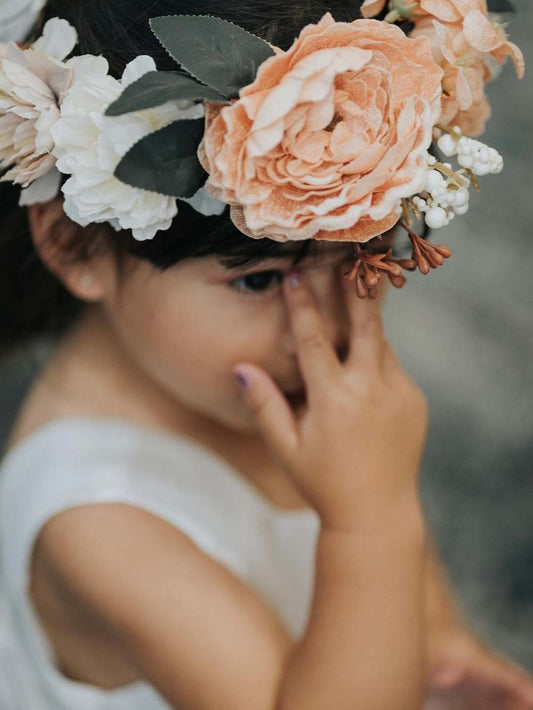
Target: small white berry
(461, 197)
(460, 209)
(466, 161)
(447, 144)
(434, 181)
(480, 169)
(464, 146)
(436, 218)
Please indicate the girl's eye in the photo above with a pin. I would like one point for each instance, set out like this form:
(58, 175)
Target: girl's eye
(256, 283)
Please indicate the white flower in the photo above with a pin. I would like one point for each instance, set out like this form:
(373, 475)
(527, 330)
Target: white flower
(89, 146)
(17, 17)
(33, 83)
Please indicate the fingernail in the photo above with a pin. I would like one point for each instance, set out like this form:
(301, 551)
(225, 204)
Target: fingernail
(295, 278)
(241, 379)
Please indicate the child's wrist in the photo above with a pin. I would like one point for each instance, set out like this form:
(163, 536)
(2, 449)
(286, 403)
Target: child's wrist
(379, 517)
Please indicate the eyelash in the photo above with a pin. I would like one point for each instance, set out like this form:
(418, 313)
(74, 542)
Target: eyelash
(232, 284)
(254, 275)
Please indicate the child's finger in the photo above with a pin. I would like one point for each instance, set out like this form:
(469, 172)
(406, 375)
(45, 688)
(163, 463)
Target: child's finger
(269, 408)
(316, 354)
(367, 340)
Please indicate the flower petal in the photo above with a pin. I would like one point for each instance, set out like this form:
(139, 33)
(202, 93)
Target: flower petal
(137, 68)
(43, 189)
(58, 39)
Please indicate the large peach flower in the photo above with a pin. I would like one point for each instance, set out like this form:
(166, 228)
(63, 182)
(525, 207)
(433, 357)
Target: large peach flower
(329, 137)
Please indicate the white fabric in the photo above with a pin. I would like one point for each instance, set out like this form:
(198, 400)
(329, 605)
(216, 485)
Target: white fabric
(75, 461)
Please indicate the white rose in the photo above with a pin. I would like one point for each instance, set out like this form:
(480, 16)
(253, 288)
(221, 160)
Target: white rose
(90, 145)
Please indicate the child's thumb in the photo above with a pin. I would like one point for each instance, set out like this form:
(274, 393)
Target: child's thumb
(269, 409)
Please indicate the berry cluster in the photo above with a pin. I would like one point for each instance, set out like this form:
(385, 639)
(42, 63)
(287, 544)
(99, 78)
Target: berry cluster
(472, 154)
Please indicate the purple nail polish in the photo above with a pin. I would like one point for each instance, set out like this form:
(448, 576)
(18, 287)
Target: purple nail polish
(295, 278)
(241, 379)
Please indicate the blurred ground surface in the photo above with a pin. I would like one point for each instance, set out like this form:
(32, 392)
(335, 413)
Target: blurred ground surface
(465, 332)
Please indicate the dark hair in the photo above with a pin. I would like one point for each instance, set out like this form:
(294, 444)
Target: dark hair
(32, 300)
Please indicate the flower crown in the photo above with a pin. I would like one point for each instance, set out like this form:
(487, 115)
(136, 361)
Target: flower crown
(329, 140)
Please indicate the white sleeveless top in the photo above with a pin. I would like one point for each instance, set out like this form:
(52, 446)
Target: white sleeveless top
(72, 461)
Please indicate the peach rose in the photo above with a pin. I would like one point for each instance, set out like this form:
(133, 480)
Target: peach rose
(465, 42)
(329, 137)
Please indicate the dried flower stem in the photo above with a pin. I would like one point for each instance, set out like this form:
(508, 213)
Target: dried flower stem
(368, 268)
(367, 271)
(405, 212)
(451, 174)
(412, 208)
(446, 129)
(425, 255)
(473, 179)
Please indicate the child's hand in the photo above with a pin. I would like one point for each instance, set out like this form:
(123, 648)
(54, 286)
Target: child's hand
(358, 444)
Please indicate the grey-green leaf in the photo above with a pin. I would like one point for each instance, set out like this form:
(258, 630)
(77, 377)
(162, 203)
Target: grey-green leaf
(166, 161)
(500, 6)
(215, 51)
(156, 88)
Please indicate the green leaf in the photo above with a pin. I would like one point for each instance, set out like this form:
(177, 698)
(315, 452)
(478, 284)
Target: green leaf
(215, 51)
(166, 161)
(500, 6)
(156, 88)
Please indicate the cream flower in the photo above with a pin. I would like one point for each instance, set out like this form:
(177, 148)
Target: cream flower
(330, 136)
(89, 146)
(468, 46)
(33, 83)
(17, 17)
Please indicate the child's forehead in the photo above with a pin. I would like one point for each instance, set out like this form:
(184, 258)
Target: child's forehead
(320, 251)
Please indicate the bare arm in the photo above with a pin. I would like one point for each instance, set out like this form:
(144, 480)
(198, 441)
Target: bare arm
(206, 641)
(441, 604)
(364, 646)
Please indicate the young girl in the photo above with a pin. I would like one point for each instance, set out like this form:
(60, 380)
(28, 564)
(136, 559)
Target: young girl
(209, 498)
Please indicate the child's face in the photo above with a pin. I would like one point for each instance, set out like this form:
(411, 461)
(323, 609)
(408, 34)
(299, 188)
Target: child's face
(188, 326)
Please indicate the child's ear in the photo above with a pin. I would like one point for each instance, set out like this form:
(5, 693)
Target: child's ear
(54, 237)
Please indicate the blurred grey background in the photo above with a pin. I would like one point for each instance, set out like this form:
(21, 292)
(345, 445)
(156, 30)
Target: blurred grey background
(465, 332)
